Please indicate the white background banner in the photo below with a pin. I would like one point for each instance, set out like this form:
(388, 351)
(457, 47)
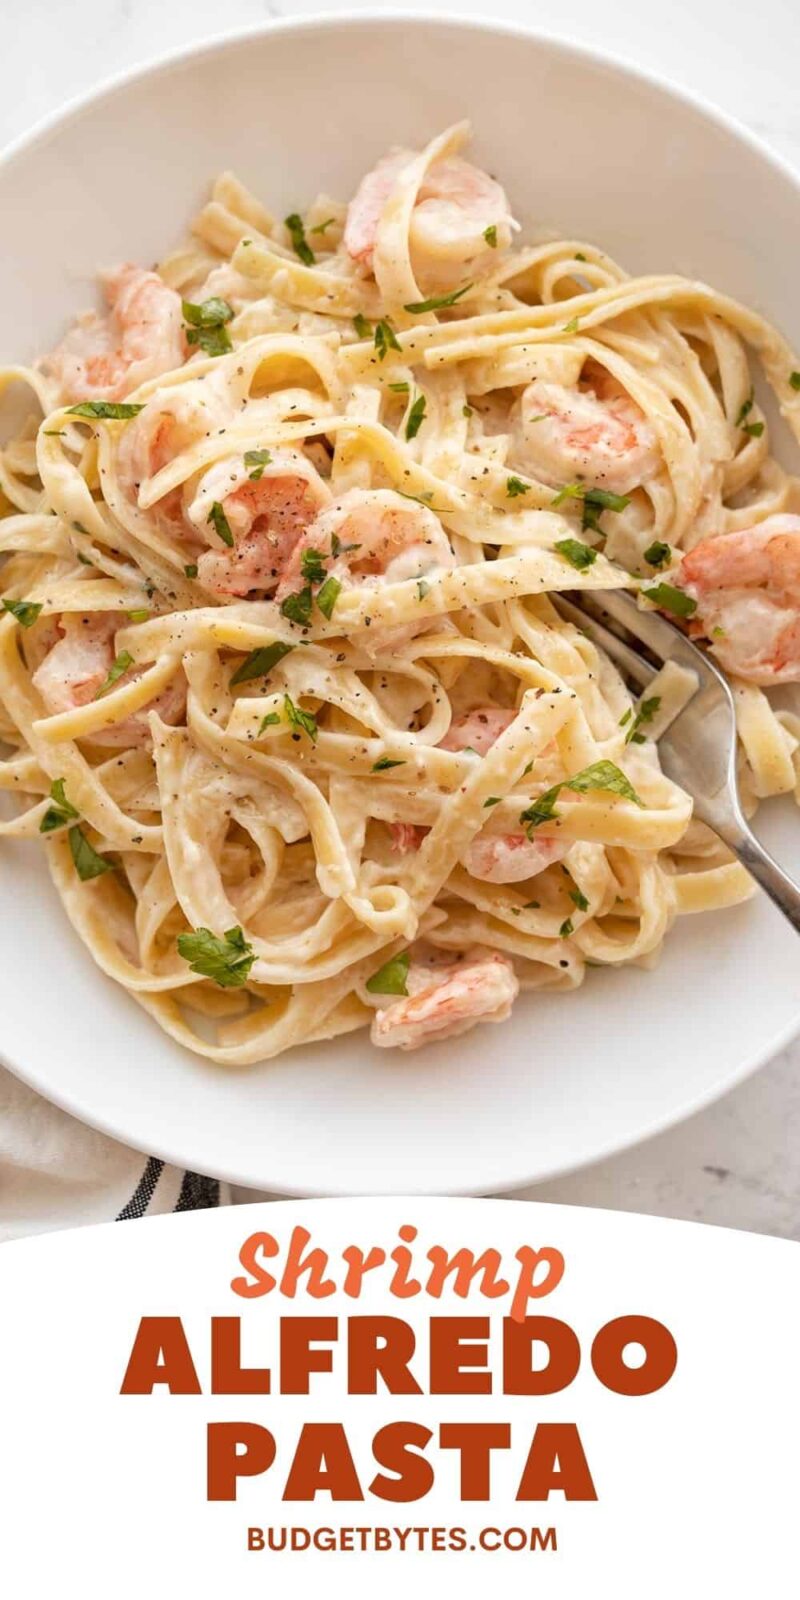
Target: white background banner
(450, 1470)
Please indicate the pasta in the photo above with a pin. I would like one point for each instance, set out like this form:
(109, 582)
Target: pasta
(285, 693)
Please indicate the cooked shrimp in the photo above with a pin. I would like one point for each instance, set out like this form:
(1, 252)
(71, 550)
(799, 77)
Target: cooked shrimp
(456, 206)
(747, 588)
(172, 421)
(77, 667)
(389, 537)
(406, 837)
(477, 730)
(563, 435)
(497, 857)
(266, 509)
(447, 999)
(107, 357)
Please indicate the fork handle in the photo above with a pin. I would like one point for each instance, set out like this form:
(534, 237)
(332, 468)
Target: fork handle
(782, 890)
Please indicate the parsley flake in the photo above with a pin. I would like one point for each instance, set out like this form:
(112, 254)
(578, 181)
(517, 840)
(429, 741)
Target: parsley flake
(120, 665)
(416, 417)
(322, 227)
(206, 325)
(227, 961)
(258, 460)
(25, 611)
(490, 235)
(267, 722)
(794, 380)
(362, 326)
(600, 775)
(300, 719)
(385, 763)
(297, 234)
(391, 977)
(645, 713)
(658, 554)
(297, 607)
(422, 588)
(191, 570)
(572, 326)
(580, 556)
(311, 565)
(220, 524)
(108, 410)
(579, 899)
(88, 864)
(385, 338)
(437, 303)
(328, 596)
(566, 929)
(671, 599)
(61, 812)
(515, 486)
(260, 663)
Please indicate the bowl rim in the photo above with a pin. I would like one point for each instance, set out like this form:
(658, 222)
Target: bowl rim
(422, 18)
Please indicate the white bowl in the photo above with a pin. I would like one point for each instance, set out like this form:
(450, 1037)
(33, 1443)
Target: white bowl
(585, 147)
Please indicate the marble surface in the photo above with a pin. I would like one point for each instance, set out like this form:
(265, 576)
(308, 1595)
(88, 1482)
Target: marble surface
(737, 1163)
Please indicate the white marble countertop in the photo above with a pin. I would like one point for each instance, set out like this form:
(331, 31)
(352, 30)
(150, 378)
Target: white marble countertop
(737, 1163)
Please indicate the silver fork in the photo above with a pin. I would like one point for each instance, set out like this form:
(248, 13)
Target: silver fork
(697, 750)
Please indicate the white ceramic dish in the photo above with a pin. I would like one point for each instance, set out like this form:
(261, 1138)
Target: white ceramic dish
(665, 185)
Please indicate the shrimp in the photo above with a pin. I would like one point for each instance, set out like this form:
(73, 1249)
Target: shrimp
(447, 999)
(456, 206)
(370, 535)
(266, 510)
(747, 588)
(566, 434)
(108, 357)
(172, 421)
(477, 730)
(75, 669)
(498, 857)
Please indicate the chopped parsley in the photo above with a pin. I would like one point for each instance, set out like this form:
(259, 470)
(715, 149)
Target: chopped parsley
(580, 556)
(339, 549)
(88, 864)
(467, 411)
(385, 763)
(579, 899)
(515, 486)
(297, 607)
(437, 303)
(206, 325)
(391, 977)
(362, 326)
(600, 775)
(139, 616)
(670, 599)
(422, 588)
(258, 460)
(191, 570)
(794, 380)
(298, 718)
(322, 227)
(572, 326)
(746, 408)
(385, 338)
(579, 255)
(61, 812)
(328, 596)
(658, 554)
(416, 417)
(311, 566)
(119, 665)
(645, 713)
(493, 800)
(566, 929)
(260, 663)
(25, 611)
(297, 234)
(490, 235)
(220, 524)
(227, 961)
(108, 410)
(399, 388)
(267, 722)
(753, 429)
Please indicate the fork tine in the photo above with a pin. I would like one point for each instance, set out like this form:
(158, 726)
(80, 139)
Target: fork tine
(662, 638)
(630, 663)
